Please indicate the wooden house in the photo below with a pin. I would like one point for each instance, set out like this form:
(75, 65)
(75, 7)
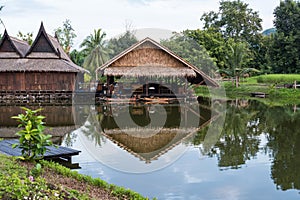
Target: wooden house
(43, 66)
(146, 60)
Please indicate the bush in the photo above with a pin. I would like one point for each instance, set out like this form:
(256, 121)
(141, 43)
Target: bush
(32, 141)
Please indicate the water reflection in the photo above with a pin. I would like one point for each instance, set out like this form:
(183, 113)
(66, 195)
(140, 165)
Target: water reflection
(138, 136)
(245, 123)
(59, 120)
(144, 131)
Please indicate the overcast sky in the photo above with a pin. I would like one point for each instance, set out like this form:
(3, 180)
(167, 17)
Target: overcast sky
(112, 15)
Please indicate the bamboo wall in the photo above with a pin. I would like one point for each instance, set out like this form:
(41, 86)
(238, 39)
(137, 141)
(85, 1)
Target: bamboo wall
(26, 81)
(147, 55)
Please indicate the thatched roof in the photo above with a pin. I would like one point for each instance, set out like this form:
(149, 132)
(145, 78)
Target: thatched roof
(45, 54)
(37, 65)
(11, 47)
(149, 70)
(149, 58)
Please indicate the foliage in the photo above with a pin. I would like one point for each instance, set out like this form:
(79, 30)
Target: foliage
(234, 20)
(237, 60)
(213, 42)
(77, 57)
(26, 37)
(96, 51)
(187, 48)
(118, 44)
(66, 35)
(285, 48)
(32, 140)
(15, 184)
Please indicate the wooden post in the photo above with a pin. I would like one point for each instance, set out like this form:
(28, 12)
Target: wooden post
(295, 84)
(147, 87)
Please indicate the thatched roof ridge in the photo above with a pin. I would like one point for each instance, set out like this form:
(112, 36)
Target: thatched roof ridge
(18, 46)
(105, 67)
(21, 45)
(61, 53)
(42, 33)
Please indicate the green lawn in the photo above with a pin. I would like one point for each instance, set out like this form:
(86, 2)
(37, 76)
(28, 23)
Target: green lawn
(269, 84)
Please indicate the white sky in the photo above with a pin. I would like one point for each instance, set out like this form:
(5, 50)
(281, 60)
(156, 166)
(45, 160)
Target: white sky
(112, 15)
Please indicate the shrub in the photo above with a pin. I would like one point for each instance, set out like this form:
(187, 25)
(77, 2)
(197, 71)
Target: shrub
(32, 140)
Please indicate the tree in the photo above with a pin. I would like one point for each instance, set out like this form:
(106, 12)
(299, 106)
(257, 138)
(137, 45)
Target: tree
(237, 59)
(77, 57)
(26, 37)
(234, 20)
(66, 35)
(118, 44)
(97, 53)
(187, 48)
(285, 50)
(213, 42)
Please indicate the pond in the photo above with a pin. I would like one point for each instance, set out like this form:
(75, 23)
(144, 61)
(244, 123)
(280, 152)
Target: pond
(213, 150)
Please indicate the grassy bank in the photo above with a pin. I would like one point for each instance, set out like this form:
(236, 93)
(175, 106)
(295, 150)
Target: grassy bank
(272, 85)
(54, 182)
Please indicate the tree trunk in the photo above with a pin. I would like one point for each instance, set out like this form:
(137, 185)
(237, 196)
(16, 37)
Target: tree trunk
(237, 81)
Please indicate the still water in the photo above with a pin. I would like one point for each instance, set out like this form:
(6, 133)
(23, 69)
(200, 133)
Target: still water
(216, 150)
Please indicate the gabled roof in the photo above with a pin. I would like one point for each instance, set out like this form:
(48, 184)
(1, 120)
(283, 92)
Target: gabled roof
(46, 46)
(12, 47)
(186, 69)
(45, 54)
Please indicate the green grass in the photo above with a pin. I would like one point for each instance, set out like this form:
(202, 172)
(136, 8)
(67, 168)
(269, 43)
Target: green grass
(278, 78)
(264, 83)
(14, 183)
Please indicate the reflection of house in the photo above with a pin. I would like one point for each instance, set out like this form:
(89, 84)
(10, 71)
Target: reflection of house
(59, 120)
(146, 60)
(43, 66)
(149, 143)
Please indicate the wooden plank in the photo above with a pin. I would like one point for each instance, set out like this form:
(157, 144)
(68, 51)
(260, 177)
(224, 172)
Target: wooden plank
(52, 152)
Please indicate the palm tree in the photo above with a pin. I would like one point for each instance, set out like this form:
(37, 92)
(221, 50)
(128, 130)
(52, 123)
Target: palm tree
(237, 58)
(96, 51)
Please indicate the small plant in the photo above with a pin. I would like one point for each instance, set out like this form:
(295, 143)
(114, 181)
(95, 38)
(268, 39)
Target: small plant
(32, 141)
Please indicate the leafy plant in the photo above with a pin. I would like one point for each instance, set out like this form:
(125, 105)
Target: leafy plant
(32, 140)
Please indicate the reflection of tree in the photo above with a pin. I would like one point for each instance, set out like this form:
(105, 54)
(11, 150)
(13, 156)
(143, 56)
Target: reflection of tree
(69, 139)
(284, 141)
(92, 129)
(239, 141)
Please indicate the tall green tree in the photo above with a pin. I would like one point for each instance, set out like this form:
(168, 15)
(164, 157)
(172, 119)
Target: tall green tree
(96, 50)
(66, 35)
(234, 20)
(285, 50)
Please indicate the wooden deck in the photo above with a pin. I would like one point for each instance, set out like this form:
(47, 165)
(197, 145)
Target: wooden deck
(52, 153)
